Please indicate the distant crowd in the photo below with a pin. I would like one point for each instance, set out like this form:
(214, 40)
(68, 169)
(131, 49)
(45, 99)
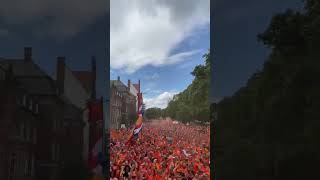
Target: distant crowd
(163, 150)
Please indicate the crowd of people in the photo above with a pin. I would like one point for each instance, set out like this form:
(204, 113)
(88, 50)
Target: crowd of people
(163, 150)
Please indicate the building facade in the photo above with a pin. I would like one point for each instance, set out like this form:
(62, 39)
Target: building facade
(19, 115)
(115, 106)
(123, 104)
(42, 119)
(77, 88)
(31, 113)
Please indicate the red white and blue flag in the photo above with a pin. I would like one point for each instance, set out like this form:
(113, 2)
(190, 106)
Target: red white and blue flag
(138, 125)
(137, 129)
(96, 133)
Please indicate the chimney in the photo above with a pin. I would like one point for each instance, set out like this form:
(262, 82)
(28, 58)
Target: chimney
(94, 74)
(60, 74)
(118, 78)
(129, 84)
(27, 53)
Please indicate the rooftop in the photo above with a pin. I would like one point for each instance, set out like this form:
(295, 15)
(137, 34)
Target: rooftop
(85, 77)
(29, 75)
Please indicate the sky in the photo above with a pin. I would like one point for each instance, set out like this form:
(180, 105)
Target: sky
(158, 42)
(237, 53)
(76, 29)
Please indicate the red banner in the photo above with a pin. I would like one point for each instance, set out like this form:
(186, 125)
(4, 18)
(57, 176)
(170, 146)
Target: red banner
(96, 131)
(95, 110)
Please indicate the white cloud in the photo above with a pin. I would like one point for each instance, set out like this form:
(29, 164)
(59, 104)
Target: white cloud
(149, 91)
(155, 76)
(56, 18)
(144, 32)
(152, 76)
(160, 101)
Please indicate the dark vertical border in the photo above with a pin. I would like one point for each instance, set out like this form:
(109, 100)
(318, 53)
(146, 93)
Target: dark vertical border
(107, 84)
(212, 125)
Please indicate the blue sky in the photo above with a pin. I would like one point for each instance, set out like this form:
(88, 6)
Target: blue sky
(169, 78)
(162, 47)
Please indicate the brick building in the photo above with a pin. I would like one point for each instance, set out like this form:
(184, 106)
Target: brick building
(139, 96)
(122, 104)
(115, 106)
(118, 111)
(43, 121)
(17, 139)
(31, 121)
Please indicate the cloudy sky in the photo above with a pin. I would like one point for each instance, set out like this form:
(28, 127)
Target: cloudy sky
(76, 29)
(158, 42)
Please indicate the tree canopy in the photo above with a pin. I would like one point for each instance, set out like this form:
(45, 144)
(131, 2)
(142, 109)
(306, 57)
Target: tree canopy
(269, 128)
(193, 103)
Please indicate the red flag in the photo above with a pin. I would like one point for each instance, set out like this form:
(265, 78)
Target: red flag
(96, 131)
(95, 110)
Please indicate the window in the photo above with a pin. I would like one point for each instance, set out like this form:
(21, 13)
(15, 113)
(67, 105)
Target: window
(53, 151)
(28, 131)
(32, 166)
(19, 164)
(37, 108)
(34, 135)
(26, 166)
(57, 151)
(24, 100)
(22, 129)
(30, 104)
(12, 166)
(54, 124)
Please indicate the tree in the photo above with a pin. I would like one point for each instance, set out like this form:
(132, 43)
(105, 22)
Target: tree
(193, 103)
(153, 113)
(276, 114)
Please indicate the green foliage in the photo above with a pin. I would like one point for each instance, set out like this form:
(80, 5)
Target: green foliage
(153, 113)
(193, 103)
(275, 115)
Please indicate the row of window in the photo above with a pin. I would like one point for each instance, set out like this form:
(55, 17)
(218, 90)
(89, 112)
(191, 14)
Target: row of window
(21, 164)
(24, 131)
(55, 152)
(56, 124)
(28, 103)
(115, 116)
(27, 132)
(119, 94)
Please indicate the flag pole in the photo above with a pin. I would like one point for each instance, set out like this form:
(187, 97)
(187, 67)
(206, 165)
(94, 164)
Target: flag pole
(103, 128)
